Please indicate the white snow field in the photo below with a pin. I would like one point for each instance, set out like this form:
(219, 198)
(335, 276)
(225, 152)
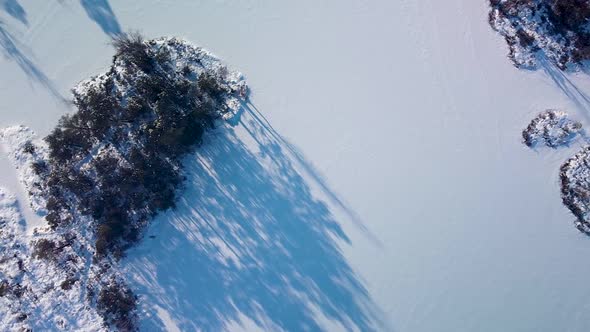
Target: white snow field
(376, 181)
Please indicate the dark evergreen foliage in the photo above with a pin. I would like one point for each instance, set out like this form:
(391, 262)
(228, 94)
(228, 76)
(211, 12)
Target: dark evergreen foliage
(44, 249)
(29, 147)
(132, 47)
(68, 283)
(4, 288)
(39, 167)
(116, 303)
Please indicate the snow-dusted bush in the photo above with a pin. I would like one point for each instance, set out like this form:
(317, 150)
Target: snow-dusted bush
(132, 48)
(551, 128)
(557, 30)
(45, 249)
(28, 147)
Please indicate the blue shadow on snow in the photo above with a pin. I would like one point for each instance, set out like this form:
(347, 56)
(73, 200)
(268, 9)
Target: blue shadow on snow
(14, 9)
(100, 12)
(249, 237)
(10, 49)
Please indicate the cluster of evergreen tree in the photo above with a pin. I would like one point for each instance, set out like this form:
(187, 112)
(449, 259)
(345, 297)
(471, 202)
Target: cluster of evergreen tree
(562, 21)
(117, 159)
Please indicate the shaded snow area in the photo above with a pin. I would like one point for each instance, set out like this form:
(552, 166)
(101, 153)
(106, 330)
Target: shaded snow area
(250, 243)
(551, 128)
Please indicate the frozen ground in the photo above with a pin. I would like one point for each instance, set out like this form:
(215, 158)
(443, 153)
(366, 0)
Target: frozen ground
(411, 205)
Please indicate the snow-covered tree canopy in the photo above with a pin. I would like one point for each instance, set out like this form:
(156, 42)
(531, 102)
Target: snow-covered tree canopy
(535, 30)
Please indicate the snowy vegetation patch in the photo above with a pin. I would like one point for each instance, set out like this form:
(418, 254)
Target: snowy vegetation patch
(575, 188)
(551, 128)
(552, 32)
(106, 170)
(556, 30)
(12, 251)
(36, 295)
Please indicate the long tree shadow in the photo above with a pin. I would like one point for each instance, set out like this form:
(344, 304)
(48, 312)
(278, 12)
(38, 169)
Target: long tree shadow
(569, 88)
(14, 9)
(11, 50)
(249, 238)
(101, 12)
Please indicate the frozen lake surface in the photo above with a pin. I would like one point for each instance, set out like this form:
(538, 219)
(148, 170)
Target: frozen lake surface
(377, 179)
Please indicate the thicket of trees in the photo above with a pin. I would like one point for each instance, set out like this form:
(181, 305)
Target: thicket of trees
(121, 161)
(117, 159)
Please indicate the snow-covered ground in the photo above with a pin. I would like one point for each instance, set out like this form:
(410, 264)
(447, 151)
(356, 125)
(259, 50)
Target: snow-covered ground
(377, 179)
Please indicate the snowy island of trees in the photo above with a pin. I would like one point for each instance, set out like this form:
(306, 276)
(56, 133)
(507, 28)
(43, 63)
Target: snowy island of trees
(551, 128)
(535, 30)
(545, 33)
(99, 178)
